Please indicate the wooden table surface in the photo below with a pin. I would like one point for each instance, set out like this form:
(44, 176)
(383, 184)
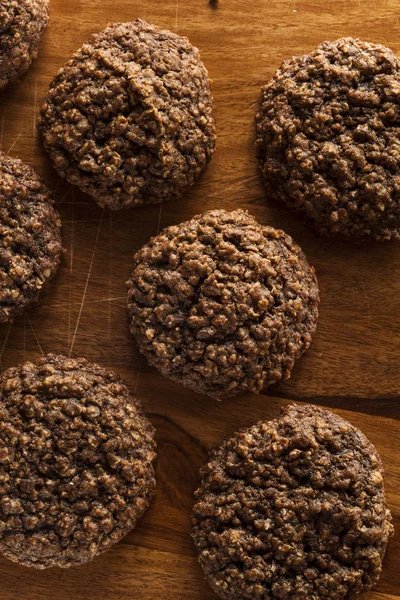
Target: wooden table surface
(353, 364)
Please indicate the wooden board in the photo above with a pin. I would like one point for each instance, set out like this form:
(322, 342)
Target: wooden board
(353, 365)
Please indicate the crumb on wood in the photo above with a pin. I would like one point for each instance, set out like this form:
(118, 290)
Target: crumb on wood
(214, 3)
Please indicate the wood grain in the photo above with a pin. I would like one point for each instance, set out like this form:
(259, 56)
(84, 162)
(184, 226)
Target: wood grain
(353, 364)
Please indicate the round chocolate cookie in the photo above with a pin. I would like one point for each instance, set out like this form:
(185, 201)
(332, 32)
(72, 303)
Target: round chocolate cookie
(30, 237)
(293, 508)
(22, 23)
(222, 304)
(129, 118)
(328, 134)
(76, 457)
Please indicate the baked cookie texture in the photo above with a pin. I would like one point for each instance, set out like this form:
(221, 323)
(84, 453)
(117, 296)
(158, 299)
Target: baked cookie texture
(222, 304)
(22, 23)
(76, 456)
(129, 118)
(30, 237)
(328, 132)
(293, 508)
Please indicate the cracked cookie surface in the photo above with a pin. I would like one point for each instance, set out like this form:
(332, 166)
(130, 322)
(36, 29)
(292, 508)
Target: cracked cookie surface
(222, 304)
(76, 456)
(328, 132)
(129, 118)
(22, 23)
(293, 508)
(30, 237)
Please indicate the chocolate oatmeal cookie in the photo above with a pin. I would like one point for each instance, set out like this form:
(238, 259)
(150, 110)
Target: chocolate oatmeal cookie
(76, 457)
(129, 118)
(22, 23)
(222, 304)
(30, 237)
(293, 509)
(328, 134)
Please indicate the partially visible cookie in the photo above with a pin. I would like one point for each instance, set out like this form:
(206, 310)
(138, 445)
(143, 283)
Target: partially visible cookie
(30, 237)
(129, 118)
(294, 509)
(328, 133)
(76, 456)
(22, 23)
(222, 304)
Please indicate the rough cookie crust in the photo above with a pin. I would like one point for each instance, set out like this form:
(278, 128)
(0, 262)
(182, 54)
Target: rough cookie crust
(129, 118)
(292, 508)
(30, 237)
(222, 304)
(76, 458)
(22, 23)
(328, 134)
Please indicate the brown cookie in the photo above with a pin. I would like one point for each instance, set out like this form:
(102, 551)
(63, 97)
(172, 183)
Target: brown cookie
(76, 457)
(129, 118)
(293, 508)
(30, 237)
(22, 23)
(222, 304)
(328, 134)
